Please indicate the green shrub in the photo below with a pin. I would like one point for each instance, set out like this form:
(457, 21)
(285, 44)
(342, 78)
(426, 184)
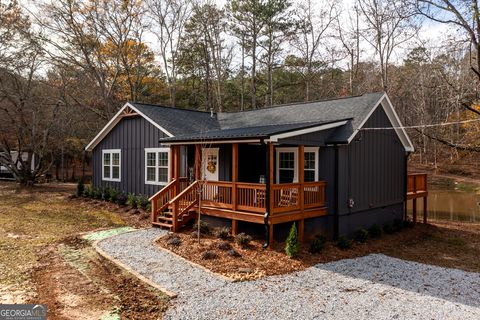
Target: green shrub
(375, 231)
(243, 239)
(224, 245)
(343, 243)
(80, 188)
(87, 192)
(112, 194)
(148, 207)
(204, 227)
(97, 193)
(361, 235)
(292, 245)
(105, 194)
(388, 228)
(223, 233)
(397, 225)
(317, 244)
(121, 199)
(142, 202)
(132, 200)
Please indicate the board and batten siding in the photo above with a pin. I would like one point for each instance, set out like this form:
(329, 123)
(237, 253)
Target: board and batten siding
(131, 135)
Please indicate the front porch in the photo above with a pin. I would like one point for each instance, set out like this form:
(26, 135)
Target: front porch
(270, 201)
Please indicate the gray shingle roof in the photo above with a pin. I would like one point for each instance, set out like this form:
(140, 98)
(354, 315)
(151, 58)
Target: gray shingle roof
(246, 132)
(195, 125)
(178, 121)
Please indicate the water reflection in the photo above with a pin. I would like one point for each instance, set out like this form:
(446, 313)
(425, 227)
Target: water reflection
(451, 205)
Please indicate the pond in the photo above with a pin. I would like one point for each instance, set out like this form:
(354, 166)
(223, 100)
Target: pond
(450, 201)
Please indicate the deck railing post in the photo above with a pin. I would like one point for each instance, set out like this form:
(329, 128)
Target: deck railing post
(234, 175)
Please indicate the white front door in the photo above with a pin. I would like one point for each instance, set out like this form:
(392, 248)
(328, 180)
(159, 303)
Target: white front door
(210, 164)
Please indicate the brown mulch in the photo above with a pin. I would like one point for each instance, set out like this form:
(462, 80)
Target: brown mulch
(446, 244)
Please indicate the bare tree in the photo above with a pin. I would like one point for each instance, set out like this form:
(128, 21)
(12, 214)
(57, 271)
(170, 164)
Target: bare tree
(313, 25)
(389, 24)
(169, 19)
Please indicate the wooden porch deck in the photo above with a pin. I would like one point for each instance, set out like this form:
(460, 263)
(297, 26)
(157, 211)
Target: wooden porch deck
(417, 188)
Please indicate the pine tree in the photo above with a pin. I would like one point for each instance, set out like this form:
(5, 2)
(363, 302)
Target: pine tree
(292, 247)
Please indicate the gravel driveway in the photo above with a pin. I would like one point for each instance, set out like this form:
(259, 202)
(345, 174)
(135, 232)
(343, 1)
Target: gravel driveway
(370, 287)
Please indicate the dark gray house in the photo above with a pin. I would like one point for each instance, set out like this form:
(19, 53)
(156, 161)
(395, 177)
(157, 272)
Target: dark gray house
(332, 166)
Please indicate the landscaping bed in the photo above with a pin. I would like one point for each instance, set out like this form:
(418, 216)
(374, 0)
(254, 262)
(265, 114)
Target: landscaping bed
(446, 244)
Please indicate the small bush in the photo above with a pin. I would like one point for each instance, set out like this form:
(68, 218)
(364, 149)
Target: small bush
(87, 192)
(397, 225)
(292, 245)
(204, 227)
(121, 199)
(141, 202)
(243, 239)
(375, 231)
(388, 228)
(209, 255)
(148, 207)
(97, 193)
(112, 195)
(105, 194)
(174, 241)
(224, 245)
(233, 253)
(80, 188)
(132, 200)
(343, 243)
(318, 244)
(223, 233)
(361, 235)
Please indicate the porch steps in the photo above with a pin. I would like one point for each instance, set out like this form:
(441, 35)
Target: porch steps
(165, 219)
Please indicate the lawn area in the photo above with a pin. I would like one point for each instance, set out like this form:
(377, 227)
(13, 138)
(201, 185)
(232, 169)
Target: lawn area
(43, 259)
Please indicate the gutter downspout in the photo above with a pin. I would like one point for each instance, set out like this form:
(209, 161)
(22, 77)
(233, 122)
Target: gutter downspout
(405, 179)
(267, 198)
(336, 222)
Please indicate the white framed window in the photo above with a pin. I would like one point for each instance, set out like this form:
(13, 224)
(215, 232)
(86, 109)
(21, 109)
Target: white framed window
(157, 166)
(287, 164)
(111, 164)
(310, 164)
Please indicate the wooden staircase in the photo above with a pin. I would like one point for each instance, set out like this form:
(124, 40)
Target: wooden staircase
(171, 210)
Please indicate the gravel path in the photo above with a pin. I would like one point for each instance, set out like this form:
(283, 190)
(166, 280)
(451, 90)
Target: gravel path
(370, 287)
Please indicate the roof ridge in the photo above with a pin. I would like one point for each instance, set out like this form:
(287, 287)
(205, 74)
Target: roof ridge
(306, 102)
(167, 107)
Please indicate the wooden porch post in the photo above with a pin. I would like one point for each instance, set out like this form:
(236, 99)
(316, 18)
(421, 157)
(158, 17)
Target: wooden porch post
(197, 162)
(301, 180)
(234, 184)
(172, 162)
(414, 210)
(424, 209)
(271, 196)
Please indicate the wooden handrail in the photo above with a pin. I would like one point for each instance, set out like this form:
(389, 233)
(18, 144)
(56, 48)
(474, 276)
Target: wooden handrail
(181, 194)
(416, 182)
(163, 190)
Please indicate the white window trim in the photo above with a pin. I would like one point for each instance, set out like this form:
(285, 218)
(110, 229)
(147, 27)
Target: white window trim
(110, 151)
(295, 152)
(315, 150)
(295, 162)
(157, 150)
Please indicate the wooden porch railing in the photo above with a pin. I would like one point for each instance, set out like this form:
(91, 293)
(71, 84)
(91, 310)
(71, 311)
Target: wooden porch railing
(160, 200)
(182, 204)
(416, 182)
(251, 197)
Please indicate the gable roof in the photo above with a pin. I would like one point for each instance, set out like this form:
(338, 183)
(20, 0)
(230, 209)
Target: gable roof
(189, 125)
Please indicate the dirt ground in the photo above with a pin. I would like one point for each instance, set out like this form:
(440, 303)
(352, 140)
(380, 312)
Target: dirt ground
(446, 244)
(43, 259)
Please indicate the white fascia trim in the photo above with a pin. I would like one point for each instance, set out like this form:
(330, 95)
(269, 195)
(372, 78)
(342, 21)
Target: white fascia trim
(295, 133)
(207, 143)
(394, 119)
(116, 119)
